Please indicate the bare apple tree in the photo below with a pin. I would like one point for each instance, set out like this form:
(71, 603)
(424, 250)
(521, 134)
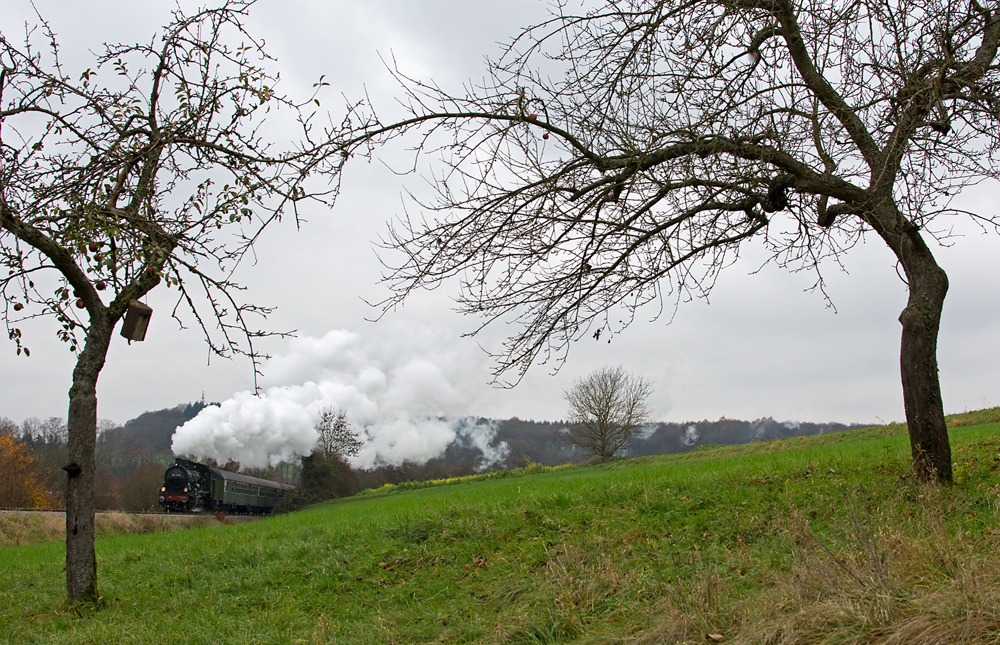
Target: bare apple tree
(606, 408)
(621, 157)
(146, 168)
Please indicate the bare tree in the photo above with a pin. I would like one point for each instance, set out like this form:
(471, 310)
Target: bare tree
(9, 428)
(325, 472)
(337, 439)
(606, 407)
(622, 156)
(146, 168)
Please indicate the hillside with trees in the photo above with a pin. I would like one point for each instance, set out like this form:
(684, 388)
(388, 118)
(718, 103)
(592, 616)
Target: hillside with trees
(131, 457)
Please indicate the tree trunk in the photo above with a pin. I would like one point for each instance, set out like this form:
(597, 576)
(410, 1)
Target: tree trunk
(81, 559)
(921, 321)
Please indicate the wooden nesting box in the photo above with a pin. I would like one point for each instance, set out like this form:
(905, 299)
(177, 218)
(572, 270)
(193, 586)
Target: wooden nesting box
(136, 320)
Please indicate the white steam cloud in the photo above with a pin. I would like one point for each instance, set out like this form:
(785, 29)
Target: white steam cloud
(644, 432)
(407, 393)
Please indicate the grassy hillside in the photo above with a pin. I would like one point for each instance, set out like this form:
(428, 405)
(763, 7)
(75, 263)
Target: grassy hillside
(806, 540)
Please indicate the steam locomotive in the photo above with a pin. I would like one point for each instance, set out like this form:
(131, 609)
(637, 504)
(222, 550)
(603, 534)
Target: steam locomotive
(190, 487)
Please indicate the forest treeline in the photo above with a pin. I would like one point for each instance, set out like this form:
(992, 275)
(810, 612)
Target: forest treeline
(542, 442)
(132, 457)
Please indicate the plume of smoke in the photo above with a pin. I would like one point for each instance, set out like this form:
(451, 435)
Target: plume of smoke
(644, 432)
(256, 431)
(406, 391)
(480, 433)
(691, 435)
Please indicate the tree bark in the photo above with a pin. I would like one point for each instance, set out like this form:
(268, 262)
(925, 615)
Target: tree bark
(921, 320)
(81, 558)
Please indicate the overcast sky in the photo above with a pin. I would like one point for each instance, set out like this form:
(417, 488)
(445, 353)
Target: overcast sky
(762, 347)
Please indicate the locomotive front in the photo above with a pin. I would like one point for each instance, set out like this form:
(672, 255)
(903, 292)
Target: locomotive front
(180, 489)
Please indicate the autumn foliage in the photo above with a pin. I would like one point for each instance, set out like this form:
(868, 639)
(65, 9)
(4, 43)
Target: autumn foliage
(20, 480)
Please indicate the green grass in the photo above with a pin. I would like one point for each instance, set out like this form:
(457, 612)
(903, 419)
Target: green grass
(816, 539)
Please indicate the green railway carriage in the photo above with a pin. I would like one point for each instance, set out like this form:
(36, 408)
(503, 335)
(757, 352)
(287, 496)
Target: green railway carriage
(234, 492)
(190, 487)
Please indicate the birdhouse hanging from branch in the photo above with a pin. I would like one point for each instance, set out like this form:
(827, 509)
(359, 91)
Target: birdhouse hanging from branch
(136, 320)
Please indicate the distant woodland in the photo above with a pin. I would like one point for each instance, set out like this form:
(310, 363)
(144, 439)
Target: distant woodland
(132, 457)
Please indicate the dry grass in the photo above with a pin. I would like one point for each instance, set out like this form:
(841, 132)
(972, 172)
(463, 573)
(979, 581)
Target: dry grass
(28, 527)
(893, 575)
(118, 522)
(975, 417)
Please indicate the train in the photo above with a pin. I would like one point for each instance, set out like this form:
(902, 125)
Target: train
(190, 487)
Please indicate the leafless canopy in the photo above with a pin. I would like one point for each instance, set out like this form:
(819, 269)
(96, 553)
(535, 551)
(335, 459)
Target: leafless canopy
(605, 409)
(620, 156)
(337, 439)
(147, 166)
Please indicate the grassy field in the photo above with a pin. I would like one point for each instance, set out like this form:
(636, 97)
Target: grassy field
(812, 540)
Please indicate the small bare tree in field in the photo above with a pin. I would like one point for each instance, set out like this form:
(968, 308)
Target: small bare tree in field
(605, 409)
(325, 472)
(337, 439)
(622, 155)
(146, 168)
